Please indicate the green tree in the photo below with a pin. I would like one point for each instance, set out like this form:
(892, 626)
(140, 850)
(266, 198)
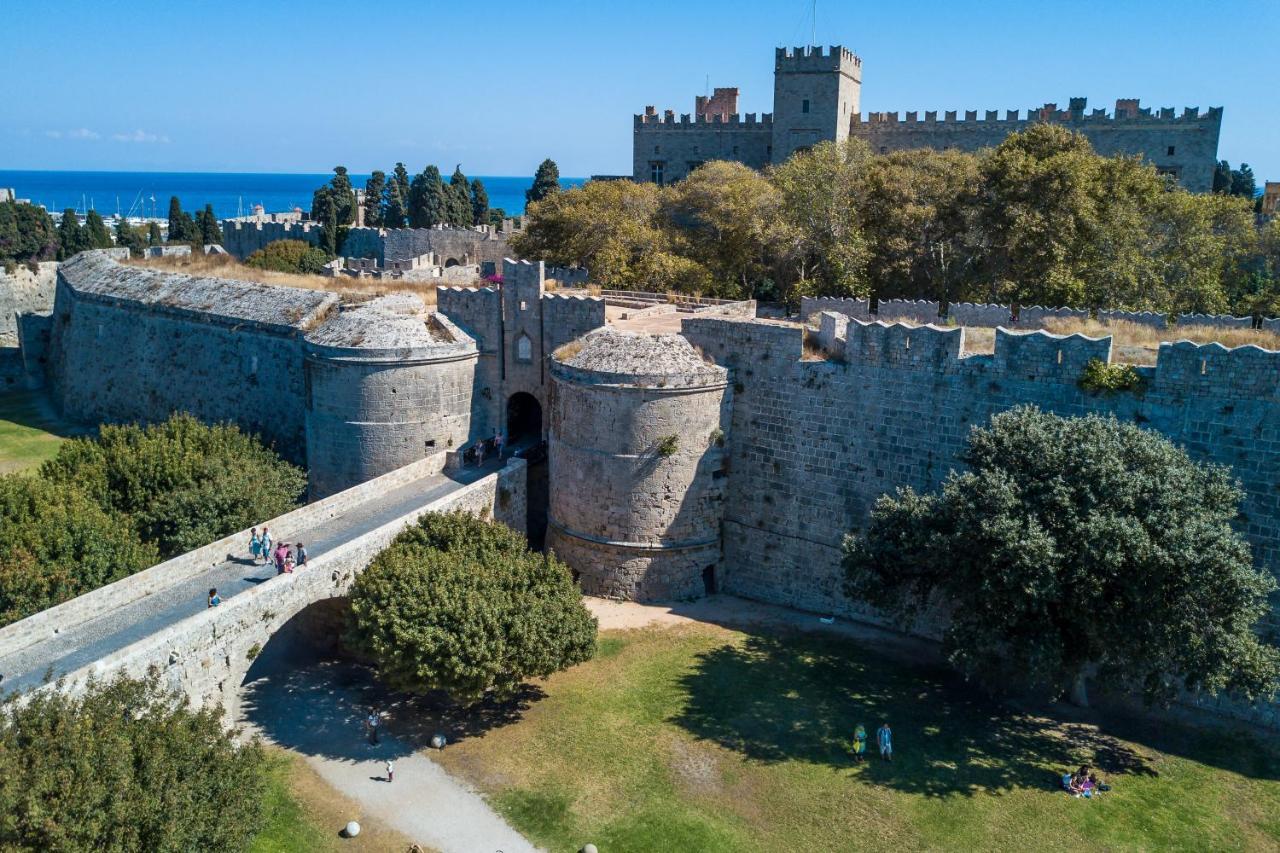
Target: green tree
(154, 237)
(479, 203)
(291, 256)
(207, 224)
(126, 767)
(72, 239)
(459, 199)
(344, 195)
(1222, 177)
(400, 176)
(324, 209)
(27, 233)
(615, 230)
(1243, 183)
(374, 188)
(180, 484)
(546, 182)
(1204, 251)
(96, 232)
(823, 242)
(427, 199)
(133, 238)
(726, 217)
(460, 604)
(394, 206)
(56, 543)
(1076, 547)
(182, 228)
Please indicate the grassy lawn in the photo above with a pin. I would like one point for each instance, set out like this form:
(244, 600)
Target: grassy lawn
(304, 815)
(30, 432)
(702, 738)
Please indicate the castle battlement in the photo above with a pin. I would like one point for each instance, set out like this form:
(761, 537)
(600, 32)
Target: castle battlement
(1049, 112)
(668, 120)
(815, 58)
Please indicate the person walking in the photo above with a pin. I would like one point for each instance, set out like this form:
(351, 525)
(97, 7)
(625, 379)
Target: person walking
(214, 600)
(391, 771)
(859, 743)
(885, 738)
(255, 544)
(300, 555)
(498, 443)
(371, 723)
(279, 557)
(266, 545)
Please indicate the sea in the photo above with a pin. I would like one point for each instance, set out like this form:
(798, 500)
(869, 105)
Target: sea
(146, 194)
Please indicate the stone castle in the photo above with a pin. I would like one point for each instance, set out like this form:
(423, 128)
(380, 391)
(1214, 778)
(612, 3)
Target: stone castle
(816, 98)
(728, 453)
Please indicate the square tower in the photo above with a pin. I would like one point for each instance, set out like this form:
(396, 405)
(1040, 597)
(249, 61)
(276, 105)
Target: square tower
(815, 96)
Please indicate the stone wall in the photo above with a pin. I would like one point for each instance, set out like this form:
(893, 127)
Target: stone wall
(461, 245)
(207, 656)
(676, 148)
(136, 344)
(25, 291)
(242, 238)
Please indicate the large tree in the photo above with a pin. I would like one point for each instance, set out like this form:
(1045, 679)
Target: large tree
(182, 228)
(344, 195)
(154, 236)
(373, 198)
(479, 203)
(460, 604)
(394, 208)
(125, 767)
(180, 483)
(459, 199)
(823, 243)
(1073, 547)
(207, 225)
(56, 542)
(133, 238)
(546, 181)
(72, 239)
(27, 233)
(96, 231)
(427, 199)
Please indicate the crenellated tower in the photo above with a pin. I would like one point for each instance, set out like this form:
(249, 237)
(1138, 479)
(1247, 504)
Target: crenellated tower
(815, 94)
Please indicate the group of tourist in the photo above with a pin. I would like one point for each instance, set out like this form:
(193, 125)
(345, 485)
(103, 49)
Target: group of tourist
(486, 446)
(286, 557)
(1083, 783)
(884, 740)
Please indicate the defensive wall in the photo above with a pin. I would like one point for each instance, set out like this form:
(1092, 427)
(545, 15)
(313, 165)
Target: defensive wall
(480, 245)
(243, 237)
(813, 443)
(207, 655)
(666, 149)
(990, 316)
(25, 291)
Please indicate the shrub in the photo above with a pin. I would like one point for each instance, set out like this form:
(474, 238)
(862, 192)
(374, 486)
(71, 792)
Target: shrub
(1101, 377)
(667, 445)
(180, 484)
(293, 256)
(461, 605)
(126, 767)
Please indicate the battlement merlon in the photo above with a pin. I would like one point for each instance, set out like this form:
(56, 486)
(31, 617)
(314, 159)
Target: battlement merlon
(650, 119)
(1047, 113)
(816, 59)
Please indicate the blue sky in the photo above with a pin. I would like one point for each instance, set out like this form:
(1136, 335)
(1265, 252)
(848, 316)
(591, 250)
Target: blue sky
(302, 86)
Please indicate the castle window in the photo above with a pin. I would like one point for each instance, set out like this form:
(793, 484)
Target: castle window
(804, 105)
(884, 149)
(524, 306)
(1170, 151)
(657, 149)
(735, 150)
(524, 348)
(656, 171)
(769, 150)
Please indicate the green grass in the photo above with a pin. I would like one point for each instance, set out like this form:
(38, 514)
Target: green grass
(290, 827)
(29, 431)
(701, 738)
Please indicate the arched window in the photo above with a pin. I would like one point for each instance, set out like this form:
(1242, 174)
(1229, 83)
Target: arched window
(524, 348)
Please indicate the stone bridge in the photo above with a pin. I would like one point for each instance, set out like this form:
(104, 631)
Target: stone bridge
(159, 618)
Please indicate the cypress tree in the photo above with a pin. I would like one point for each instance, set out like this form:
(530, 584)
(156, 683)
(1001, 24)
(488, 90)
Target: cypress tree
(394, 210)
(479, 203)
(344, 196)
(71, 239)
(154, 237)
(545, 182)
(324, 210)
(373, 190)
(459, 198)
(177, 221)
(96, 234)
(210, 233)
(427, 199)
(401, 177)
(127, 235)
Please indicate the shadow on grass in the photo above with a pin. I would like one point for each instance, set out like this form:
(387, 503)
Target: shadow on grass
(791, 697)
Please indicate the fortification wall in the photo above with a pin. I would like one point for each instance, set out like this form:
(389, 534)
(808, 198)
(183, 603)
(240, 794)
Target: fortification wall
(681, 146)
(207, 656)
(1184, 145)
(134, 344)
(814, 443)
(567, 317)
(242, 238)
(25, 291)
(462, 245)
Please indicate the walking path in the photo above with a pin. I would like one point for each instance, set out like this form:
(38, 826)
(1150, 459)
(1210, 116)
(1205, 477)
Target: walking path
(78, 645)
(318, 712)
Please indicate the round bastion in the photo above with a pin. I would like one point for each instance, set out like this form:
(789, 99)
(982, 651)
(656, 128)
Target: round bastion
(387, 383)
(637, 459)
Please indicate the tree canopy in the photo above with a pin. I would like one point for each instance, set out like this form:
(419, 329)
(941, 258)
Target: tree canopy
(460, 604)
(546, 181)
(126, 767)
(1073, 547)
(292, 256)
(27, 233)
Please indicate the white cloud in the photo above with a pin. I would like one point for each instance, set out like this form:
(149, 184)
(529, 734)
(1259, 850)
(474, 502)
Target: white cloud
(140, 135)
(53, 134)
(78, 133)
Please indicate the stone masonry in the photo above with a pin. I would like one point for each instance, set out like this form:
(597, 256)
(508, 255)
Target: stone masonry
(816, 98)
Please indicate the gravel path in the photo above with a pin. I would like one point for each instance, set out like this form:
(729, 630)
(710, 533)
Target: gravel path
(318, 712)
(82, 644)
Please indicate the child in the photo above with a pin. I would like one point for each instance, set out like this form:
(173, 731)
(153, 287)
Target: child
(859, 743)
(301, 555)
(885, 738)
(391, 771)
(214, 600)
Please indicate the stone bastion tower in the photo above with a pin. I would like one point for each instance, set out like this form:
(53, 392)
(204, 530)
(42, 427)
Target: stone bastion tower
(636, 452)
(387, 383)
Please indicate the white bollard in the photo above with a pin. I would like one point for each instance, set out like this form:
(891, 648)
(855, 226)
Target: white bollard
(589, 848)
(437, 741)
(352, 829)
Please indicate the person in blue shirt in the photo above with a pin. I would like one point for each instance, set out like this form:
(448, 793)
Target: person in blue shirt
(884, 737)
